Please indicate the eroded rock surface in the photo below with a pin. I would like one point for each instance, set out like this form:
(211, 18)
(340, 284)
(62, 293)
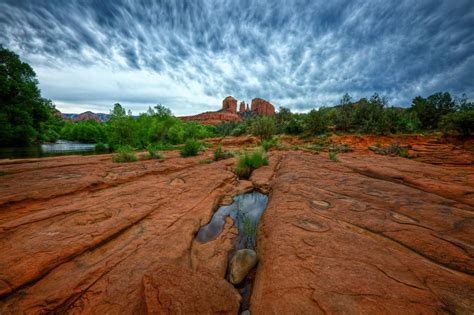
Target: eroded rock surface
(368, 234)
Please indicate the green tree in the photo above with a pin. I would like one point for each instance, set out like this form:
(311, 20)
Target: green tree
(461, 122)
(429, 111)
(263, 127)
(23, 112)
(317, 121)
(121, 127)
(344, 118)
(369, 116)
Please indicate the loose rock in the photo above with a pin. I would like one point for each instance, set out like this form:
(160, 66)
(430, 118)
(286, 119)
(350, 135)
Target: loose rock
(240, 265)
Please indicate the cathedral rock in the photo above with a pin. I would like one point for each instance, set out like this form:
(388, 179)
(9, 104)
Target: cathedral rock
(258, 107)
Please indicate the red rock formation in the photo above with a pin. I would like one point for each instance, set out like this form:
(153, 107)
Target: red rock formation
(229, 104)
(242, 107)
(212, 118)
(87, 116)
(262, 107)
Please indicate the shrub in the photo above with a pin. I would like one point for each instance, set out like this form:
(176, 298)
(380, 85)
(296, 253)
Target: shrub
(220, 154)
(124, 154)
(153, 152)
(268, 144)
(190, 148)
(263, 127)
(460, 122)
(317, 121)
(100, 147)
(333, 156)
(250, 161)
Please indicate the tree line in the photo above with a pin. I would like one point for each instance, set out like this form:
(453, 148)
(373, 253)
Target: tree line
(438, 112)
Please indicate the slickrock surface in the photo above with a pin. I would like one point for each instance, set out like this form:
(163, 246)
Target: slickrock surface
(368, 234)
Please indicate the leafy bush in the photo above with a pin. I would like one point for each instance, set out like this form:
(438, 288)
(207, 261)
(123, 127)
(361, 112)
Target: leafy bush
(270, 143)
(124, 154)
(333, 156)
(250, 161)
(317, 121)
(190, 148)
(101, 148)
(153, 152)
(460, 122)
(263, 127)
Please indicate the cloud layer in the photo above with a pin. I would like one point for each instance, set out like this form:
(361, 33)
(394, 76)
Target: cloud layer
(189, 55)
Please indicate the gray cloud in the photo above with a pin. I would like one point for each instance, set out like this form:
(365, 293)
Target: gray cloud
(188, 55)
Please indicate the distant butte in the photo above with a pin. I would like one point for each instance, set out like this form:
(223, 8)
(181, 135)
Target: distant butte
(258, 107)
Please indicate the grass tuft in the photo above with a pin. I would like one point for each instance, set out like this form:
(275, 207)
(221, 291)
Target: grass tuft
(124, 154)
(248, 162)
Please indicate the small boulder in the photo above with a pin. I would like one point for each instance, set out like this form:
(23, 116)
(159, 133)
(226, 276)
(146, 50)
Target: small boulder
(240, 265)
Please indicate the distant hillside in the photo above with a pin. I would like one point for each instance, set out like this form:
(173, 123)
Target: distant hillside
(99, 117)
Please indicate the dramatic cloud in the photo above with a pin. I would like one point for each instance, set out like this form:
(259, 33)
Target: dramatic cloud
(189, 55)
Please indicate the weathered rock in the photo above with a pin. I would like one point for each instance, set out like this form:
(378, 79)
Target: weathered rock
(369, 234)
(242, 107)
(176, 290)
(240, 265)
(212, 118)
(229, 104)
(262, 107)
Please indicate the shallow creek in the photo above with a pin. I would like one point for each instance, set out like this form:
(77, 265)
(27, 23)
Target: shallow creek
(245, 210)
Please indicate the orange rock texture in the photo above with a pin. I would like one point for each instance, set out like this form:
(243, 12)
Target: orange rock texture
(368, 234)
(229, 104)
(260, 107)
(212, 118)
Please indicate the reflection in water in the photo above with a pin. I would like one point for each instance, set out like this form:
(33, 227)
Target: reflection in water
(61, 147)
(246, 211)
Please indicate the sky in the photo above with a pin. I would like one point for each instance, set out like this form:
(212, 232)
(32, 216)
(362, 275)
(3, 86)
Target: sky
(189, 55)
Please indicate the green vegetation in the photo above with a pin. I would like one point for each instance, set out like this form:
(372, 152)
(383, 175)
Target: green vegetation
(25, 117)
(220, 154)
(190, 148)
(263, 128)
(270, 143)
(153, 153)
(124, 154)
(249, 226)
(250, 161)
(88, 131)
(101, 148)
(366, 116)
(333, 156)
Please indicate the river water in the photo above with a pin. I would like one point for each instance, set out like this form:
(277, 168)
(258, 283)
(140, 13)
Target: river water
(61, 147)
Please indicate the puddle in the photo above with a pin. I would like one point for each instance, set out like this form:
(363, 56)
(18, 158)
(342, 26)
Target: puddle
(246, 211)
